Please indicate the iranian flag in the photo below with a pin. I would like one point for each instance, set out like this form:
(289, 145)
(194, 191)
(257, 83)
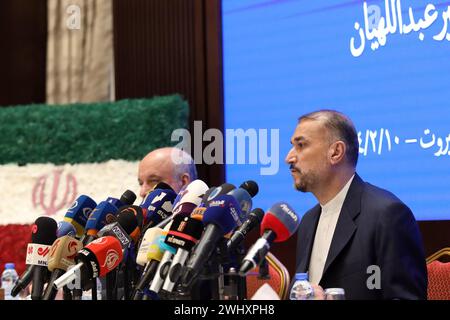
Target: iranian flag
(53, 154)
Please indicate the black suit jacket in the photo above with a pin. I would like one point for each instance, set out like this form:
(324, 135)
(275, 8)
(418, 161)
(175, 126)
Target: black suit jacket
(374, 229)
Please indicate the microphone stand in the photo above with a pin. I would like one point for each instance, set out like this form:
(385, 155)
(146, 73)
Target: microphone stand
(129, 271)
(242, 281)
(94, 289)
(264, 270)
(236, 285)
(77, 294)
(67, 294)
(110, 285)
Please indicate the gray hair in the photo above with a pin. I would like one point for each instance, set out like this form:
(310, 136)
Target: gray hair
(185, 164)
(341, 127)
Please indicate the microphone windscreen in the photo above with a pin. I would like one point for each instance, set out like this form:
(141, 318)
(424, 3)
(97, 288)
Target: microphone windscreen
(79, 212)
(251, 187)
(103, 214)
(129, 223)
(185, 209)
(63, 252)
(281, 219)
(245, 201)
(193, 193)
(108, 252)
(43, 231)
(115, 202)
(159, 205)
(137, 211)
(162, 185)
(149, 248)
(258, 213)
(210, 195)
(224, 212)
(184, 232)
(65, 229)
(164, 246)
(128, 197)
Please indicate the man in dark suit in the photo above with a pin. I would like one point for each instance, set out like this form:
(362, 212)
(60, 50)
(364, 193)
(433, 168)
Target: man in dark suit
(359, 237)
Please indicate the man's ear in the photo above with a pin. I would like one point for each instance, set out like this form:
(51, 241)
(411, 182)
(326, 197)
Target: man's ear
(337, 152)
(185, 179)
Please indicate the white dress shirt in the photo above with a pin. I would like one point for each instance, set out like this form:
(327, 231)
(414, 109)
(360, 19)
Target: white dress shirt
(324, 233)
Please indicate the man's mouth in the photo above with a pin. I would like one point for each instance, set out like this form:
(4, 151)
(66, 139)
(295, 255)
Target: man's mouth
(294, 170)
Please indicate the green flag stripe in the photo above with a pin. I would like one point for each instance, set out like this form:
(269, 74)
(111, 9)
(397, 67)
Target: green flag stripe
(81, 133)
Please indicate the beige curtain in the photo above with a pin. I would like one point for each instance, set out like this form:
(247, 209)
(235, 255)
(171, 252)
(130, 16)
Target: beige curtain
(79, 51)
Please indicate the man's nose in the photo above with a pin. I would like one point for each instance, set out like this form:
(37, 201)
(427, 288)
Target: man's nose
(144, 190)
(290, 157)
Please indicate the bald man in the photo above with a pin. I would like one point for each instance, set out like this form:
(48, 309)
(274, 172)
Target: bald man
(170, 165)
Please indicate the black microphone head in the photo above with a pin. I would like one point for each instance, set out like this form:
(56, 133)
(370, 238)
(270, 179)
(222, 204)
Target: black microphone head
(137, 211)
(258, 213)
(128, 197)
(162, 185)
(251, 187)
(127, 221)
(44, 231)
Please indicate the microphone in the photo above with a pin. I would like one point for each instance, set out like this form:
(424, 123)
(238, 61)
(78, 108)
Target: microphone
(128, 197)
(254, 219)
(62, 255)
(43, 234)
(220, 218)
(163, 266)
(251, 187)
(159, 205)
(95, 260)
(190, 197)
(278, 225)
(244, 195)
(103, 214)
(149, 256)
(116, 230)
(120, 230)
(184, 234)
(65, 228)
(187, 200)
(215, 192)
(79, 212)
(131, 219)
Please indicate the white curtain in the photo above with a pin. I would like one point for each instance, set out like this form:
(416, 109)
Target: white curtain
(79, 51)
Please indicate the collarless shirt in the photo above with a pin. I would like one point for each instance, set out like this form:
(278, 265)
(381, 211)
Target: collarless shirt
(324, 233)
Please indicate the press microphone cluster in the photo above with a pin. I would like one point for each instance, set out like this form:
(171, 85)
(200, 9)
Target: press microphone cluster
(170, 246)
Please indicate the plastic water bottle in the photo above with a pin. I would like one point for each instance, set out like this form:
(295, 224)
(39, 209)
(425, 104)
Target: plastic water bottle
(9, 278)
(302, 289)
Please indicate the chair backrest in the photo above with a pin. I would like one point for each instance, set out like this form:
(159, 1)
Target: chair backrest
(439, 275)
(279, 278)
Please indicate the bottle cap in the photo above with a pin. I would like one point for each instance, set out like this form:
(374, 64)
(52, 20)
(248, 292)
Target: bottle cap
(9, 265)
(301, 276)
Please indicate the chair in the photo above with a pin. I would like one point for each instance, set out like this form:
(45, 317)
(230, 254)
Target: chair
(439, 275)
(279, 278)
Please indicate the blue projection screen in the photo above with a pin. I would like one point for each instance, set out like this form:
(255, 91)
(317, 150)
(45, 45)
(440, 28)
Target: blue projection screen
(386, 64)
